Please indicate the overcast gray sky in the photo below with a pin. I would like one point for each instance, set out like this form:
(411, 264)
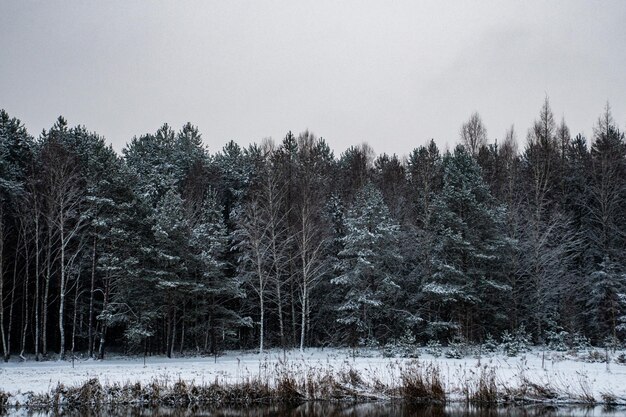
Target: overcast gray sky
(393, 74)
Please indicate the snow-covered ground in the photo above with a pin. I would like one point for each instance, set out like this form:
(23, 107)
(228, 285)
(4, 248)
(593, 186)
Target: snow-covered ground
(570, 377)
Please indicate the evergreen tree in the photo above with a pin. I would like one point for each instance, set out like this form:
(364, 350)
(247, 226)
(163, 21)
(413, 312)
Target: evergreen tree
(15, 151)
(467, 288)
(606, 302)
(213, 291)
(171, 269)
(367, 263)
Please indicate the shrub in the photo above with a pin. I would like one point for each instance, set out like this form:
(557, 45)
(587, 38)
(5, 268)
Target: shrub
(490, 345)
(403, 347)
(580, 342)
(433, 347)
(557, 340)
(515, 343)
(457, 349)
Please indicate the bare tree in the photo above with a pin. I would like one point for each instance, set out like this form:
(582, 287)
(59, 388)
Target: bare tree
(26, 229)
(64, 198)
(273, 196)
(310, 244)
(473, 134)
(607, 188)
(308, 231)
(252, 242)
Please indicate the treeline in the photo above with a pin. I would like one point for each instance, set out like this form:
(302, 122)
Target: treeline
(169, 248)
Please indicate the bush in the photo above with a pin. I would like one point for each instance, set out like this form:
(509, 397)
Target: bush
(457, 349)
(490, 345)
(611, 343)
(515, 343)
(594, 356)
(433, 347)
(403, 347)
(557, 340)
(580, 342)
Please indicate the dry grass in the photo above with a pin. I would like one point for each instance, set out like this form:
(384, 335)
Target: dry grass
(483, 391)
(283, 382)
(4, 400)
(609, 398)
(530, 392)
(422, 384)
(279, 383)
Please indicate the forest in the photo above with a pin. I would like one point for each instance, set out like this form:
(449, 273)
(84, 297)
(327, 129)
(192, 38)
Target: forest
(171, 248)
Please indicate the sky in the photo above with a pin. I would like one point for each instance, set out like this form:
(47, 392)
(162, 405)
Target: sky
(393, 74)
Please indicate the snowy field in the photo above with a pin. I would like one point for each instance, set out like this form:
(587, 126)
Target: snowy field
(572, 378)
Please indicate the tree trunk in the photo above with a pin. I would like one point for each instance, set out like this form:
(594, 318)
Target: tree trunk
(294, 320)
(26, 313)
(279, 302)
(13, 289)
(36, 299)
(5, 353)
(207, 334)
(262, 322)
(103, 330)
(170, 351)
(261, 304)
(182, 332)
(213, 336)
(62, 296)
(44, 308)
(74, 319)
(90, 337)
(303, 319)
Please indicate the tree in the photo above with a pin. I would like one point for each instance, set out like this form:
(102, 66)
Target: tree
(212, 288)
(314, 164)
(355, 166)
(473, 134)
(367, 264)
(171, 236)
(467, 286)
(390, 177)
(606, 303)
(64, 199)
(425, 179)
(252, 245)
(152, 158)
(546, 237)
(15, 153)
(607, 189)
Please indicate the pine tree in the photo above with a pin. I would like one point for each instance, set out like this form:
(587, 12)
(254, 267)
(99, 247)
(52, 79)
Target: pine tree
(171, 236)
(606, 303)
(152, 158)
(367, 263)
(467, 287)
(15, 154)
(212, 289)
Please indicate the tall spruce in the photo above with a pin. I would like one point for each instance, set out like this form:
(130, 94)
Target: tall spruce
(368, 262)
(467, 289)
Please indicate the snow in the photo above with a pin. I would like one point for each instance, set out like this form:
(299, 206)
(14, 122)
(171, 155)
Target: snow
(568, 376)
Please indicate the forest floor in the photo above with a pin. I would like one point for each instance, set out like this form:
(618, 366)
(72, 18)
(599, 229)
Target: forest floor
(560, 377)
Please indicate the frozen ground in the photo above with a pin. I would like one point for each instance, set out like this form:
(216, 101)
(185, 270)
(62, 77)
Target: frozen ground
(571, 378)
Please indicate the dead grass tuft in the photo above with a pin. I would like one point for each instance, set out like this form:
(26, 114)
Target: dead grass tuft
(422, 384)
